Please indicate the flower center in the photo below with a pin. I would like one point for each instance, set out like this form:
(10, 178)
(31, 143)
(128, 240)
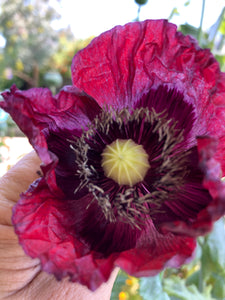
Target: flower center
(131, 162)
(125, 162)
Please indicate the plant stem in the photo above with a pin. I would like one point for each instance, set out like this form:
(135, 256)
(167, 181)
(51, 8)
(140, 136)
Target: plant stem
(200, 276)
(138, 14)
(201, 22)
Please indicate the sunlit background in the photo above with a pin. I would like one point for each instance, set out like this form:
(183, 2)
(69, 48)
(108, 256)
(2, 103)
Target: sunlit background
(91, 17)
(38, 39)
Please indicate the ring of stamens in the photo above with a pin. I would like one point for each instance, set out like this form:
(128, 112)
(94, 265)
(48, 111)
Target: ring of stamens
(129, 201)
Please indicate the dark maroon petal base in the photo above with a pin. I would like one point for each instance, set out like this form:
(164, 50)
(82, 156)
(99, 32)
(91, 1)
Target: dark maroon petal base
(212, 182)
(39, 222)
(46, 231)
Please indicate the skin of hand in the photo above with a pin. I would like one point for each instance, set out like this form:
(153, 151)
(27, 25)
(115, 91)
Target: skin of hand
(21, 277)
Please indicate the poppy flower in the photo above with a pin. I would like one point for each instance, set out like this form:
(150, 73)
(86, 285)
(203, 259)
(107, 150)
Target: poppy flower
(132, 156)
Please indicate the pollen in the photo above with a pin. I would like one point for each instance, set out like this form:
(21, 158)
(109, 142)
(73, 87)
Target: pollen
(125, 162)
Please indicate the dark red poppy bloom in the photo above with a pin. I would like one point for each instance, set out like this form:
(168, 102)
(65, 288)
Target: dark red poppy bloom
(132, 156)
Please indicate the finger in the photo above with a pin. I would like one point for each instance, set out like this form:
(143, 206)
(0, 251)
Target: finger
(12, 255)
(45, 286)
(16, 269)
(16, 181)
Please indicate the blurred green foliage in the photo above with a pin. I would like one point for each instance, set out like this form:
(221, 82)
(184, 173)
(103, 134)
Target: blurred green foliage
(33, 47)
(213, 38)
(34, 51)
(30, 38)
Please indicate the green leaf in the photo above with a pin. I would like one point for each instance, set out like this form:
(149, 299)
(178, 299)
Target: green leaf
(222, 24)
(118, 284)
(221, 60)
(218, 286)
(213, 260)
(177, 290)
(151, 289)
(189, 29)
(213, 257)
(219, 25)
(194, 279)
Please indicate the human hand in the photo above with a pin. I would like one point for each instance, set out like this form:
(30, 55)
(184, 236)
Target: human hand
(21, 277)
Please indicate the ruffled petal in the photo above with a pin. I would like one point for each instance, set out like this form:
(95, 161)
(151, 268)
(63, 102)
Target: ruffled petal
(139, 56)
(211, 168)
(50, 122)
(36, 109)
(39, 219)
(155, 251)
(46, 231)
